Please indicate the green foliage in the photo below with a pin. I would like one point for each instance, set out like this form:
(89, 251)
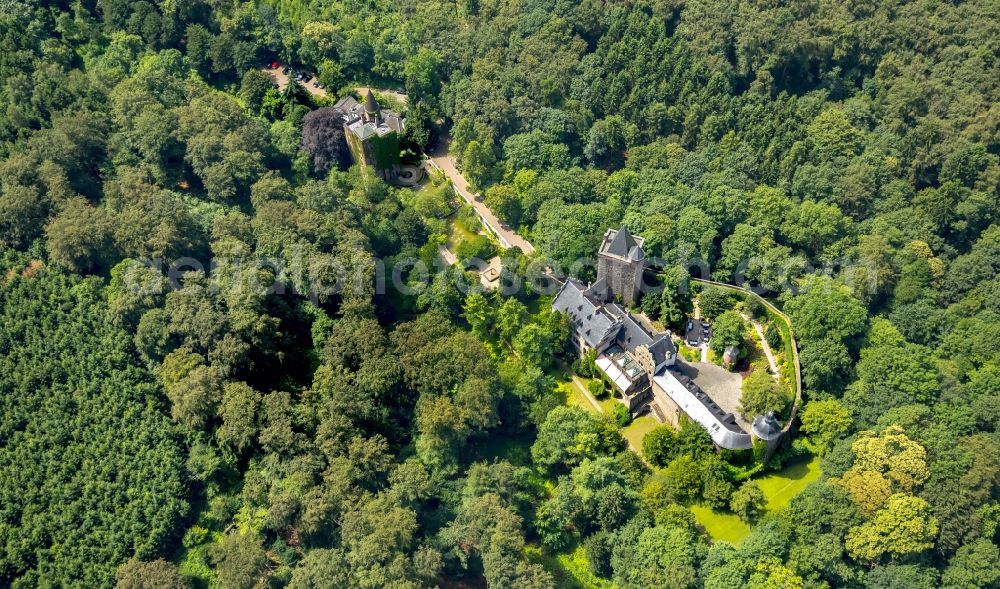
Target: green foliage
(825, 163)
(683, 478)
(596, 388)
(904, 526)
(479, 247)
(660, 555)
(136, 574)
(890, 376)
(761, 394)
(824, 311)
(659, 446)
(621, 415)
(570, 434)
(714, 302)
(748, 501)
(825, 421)
(772, 335)
(729, 329)
(77, 409)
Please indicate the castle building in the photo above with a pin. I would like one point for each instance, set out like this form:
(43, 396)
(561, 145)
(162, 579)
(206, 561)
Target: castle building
(620, 263)
(372, 134)
(627, 353)
(642, 365)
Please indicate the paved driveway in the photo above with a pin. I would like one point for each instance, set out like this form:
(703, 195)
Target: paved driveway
(443, 161)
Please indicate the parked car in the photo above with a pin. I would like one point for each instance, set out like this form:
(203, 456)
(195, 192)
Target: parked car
(693, 342)
(316, 84)
(705, 325)
(690, 325)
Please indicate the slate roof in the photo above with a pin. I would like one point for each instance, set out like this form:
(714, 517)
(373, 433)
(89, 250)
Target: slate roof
(633, 334)
(721, 426)
(350, 108)
(393, 121)
(622, 244)
(766, 427)
(371, 105)
(586, 313)
(598, 291)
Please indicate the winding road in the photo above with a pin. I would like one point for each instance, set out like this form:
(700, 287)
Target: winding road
(442, 160)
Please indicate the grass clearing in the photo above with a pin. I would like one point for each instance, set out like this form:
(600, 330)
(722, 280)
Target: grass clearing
(457, 233)
(638, 429)
(575, 396)
(721, 526)
(570, 570)
(781, 486)
(778, 487)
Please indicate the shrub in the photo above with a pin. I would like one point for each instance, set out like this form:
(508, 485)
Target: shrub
(621, 415)
(651, 304)
(761, 393)
(659, 446)
(715, 301)
(773, 336)
(598, 550)
(596, 388)
(748, 502)
(467, 219)
(716, 488)
(477, 247)
(585, 366)
(754, 307)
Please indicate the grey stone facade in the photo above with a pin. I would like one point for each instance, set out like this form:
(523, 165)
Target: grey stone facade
(620, 262)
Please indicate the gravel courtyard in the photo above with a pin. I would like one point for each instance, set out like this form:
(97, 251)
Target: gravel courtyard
(723, 386)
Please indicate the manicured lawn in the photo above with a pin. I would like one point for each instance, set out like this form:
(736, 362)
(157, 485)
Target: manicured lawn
(778, 487)
(638, 429)
(721, 526)
(574, 395)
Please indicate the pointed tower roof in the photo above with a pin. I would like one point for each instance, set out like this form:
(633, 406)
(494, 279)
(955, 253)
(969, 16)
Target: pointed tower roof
(371, 106)
(622, 243)
(766, 427)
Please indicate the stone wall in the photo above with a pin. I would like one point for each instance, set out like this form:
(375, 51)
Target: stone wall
(623, 278)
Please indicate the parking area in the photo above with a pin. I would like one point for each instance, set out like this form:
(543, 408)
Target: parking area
(281, 74)
(697, 332)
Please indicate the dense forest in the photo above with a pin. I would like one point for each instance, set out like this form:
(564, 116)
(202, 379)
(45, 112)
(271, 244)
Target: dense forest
(187, 402)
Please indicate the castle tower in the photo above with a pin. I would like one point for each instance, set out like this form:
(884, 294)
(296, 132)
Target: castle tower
(620, 262)
(767, 429)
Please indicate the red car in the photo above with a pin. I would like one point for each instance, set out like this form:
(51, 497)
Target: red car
(275, 65)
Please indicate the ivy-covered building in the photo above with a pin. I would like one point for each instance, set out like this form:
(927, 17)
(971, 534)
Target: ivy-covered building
(372, 134)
